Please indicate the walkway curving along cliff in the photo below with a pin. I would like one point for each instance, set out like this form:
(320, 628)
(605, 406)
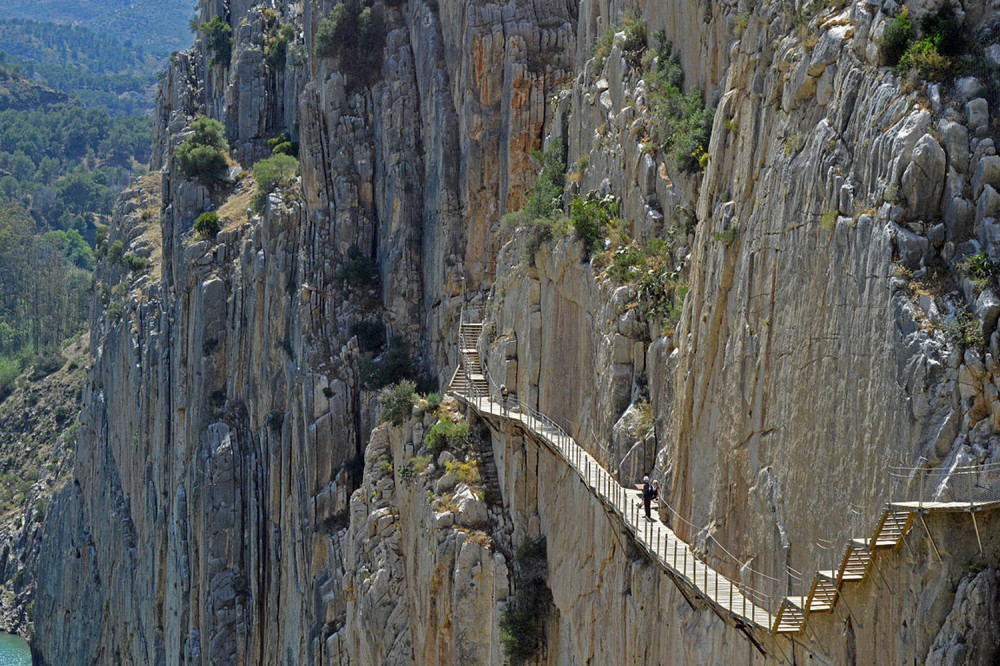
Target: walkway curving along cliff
(738, 602)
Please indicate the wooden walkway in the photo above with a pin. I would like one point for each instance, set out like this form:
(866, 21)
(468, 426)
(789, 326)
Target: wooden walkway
(734, 602)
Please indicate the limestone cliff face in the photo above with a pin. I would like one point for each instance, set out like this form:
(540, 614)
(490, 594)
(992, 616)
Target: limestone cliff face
(233, 500)
(224, 409)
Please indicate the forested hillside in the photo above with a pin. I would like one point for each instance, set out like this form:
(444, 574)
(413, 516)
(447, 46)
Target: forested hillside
(159, 26)
(101, 71)
(61, 168)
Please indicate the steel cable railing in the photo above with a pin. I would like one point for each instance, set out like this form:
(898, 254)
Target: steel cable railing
(763, 598)
(966, 484)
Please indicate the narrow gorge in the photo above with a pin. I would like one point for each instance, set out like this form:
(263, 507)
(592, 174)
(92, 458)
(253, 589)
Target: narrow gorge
(748, 248)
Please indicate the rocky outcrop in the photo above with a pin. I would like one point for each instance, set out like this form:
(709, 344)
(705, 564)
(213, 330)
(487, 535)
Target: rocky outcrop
(423, 577)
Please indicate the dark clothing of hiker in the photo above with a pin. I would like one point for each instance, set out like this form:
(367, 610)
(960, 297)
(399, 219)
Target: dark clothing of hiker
(503, 397)
(647, 498)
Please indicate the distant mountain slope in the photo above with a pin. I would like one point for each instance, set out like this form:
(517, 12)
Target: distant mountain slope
(20, 94)
(99, 70)
(159, 26)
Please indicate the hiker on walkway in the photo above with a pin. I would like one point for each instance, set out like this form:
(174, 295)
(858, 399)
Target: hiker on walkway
(504, 393)
(647, 496)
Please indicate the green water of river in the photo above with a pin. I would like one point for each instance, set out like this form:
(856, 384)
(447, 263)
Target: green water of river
(14, 651)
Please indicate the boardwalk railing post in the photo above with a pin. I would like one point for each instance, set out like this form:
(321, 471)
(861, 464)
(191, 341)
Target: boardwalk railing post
(969, 477)
(920, 497)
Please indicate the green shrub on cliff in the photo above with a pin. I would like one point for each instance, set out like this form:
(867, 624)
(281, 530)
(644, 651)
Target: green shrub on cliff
(354, 34)
(660, 290)
(208, 225)
(634, 43)
(446, 434)
(218, 39)
(276, 171)
(277, 46)
(682, 122)
(591, 215)
(896, 38)
(394, 365)
(931, 57)
(541, 219)
(135, 263)
(397, 402)
(359, 269)
(203, 154)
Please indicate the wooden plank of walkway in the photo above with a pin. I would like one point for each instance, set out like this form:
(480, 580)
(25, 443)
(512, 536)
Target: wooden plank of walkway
(658, 540)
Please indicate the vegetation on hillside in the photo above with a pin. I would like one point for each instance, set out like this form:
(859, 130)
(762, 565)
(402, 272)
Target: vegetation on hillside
(219, 40)
(100, 71)
(938, 49)
(159, 26)
(39, 408)
(541, 219)
(61, 167)
(660, 287)
(634, 43)
(278, 171)
(65, 164)
(44, 290)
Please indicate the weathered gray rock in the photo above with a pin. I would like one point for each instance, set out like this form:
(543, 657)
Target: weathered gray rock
(978, 113)
(246, 536)
(987, 173)
(956, 142)
(967, 87)
(959, 216)
(977, 594)
(912, 248)
(989, 205)
(988, 310)
(923, 180)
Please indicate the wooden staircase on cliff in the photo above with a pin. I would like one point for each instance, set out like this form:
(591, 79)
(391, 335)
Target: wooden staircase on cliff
(731, 600)
(855, 566)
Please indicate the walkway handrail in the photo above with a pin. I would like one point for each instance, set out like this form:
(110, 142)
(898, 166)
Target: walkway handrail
(962, 484)
(769, 601)
(654, 537)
